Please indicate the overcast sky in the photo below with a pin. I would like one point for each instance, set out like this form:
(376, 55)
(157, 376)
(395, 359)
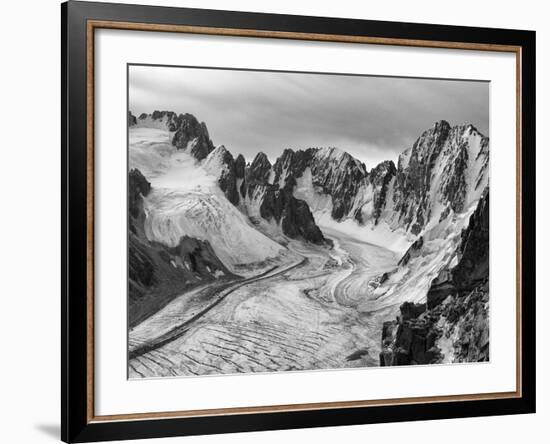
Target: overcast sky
(373, 118)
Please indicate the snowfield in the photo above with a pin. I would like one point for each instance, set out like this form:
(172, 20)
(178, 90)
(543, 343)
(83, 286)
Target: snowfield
(186, 201)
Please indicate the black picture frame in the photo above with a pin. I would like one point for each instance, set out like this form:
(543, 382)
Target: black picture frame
(77, 425)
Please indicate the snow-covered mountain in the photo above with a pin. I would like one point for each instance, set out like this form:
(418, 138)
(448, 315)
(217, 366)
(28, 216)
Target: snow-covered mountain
(240, 211)
(443, 173)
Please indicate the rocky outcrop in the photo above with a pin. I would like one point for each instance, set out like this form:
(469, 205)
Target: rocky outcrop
(459, 326)
(333, 172)
(413, 180)
(192, 135)
(221, 164)
(413, 251)
(472, 268)
(240, 165)
(293, 214)
(290, 165)
(257, 173)
(453, 325)
(279, 204)
(158, 273)
(138, 187)
(167, 119)
(189, 133)
(410, 339)
(380, 178)
(339, 175)
(131, 119)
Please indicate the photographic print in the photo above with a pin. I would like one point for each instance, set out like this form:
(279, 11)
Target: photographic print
(286, 221)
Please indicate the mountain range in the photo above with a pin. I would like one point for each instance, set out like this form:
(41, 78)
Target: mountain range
(423, 209)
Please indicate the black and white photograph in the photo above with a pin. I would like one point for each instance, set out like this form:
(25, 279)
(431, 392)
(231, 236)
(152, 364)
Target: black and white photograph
(286, 221)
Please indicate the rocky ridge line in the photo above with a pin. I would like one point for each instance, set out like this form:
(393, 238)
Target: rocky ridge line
(454, 322)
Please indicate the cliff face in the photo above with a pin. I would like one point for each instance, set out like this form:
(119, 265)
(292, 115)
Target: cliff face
(192, 135)
(453, 326)
(131, 119)
(380, 178)
(278, 203)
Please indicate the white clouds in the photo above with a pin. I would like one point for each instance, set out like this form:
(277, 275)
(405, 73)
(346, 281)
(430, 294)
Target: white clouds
(374, 118)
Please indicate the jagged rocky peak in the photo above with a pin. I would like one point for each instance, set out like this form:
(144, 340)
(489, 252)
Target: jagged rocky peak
(275, 198)
(258, 172)
(221, 164)
(413, 251)
(291, 165)
(131, 119)
(379, 177)
(193, 135)
(220, 157)
(414, 176)
(240, 165)
(436, 170)
(341, 176)
(381, 171)
(189, 133)
(158, 119)
(138, 187)
(292, 214)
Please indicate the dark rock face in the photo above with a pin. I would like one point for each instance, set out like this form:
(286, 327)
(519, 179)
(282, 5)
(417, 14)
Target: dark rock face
(197, 256)
(187, 129)
(169, 117)
(457, 302)
(410, 339)
(454, 188)
(293, 214)
(259, 170)
(473, 265)
(413, 179)
(339, 175)
(416, 170)
(484, 155)
(131, 119)
(138, 186)
(441, 287)
(380, 178)
(278, 203)
(292, 164)
(190, 130)
(227, 179)
(413, 251)
(334, 172)
(240, 165)
(158, 273)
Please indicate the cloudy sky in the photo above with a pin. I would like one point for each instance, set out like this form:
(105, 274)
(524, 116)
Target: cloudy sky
(373, 118)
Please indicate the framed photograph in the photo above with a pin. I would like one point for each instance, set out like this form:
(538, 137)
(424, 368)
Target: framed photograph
(275, 221)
